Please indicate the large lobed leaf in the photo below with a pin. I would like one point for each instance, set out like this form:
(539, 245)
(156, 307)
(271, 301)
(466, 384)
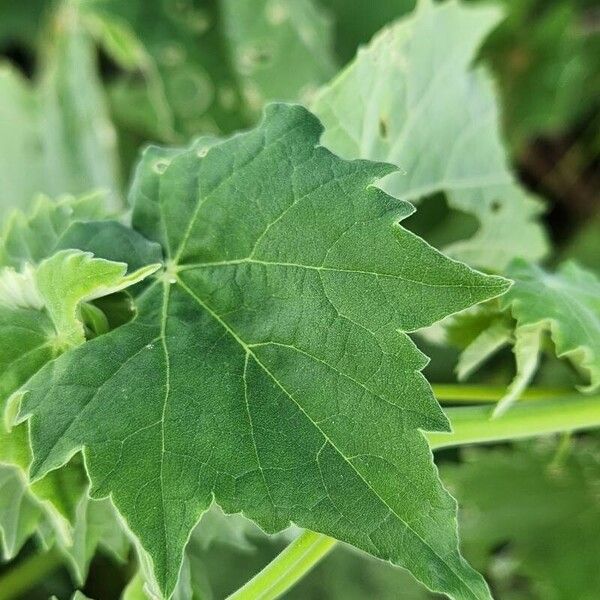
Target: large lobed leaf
(412, 98)
(267, 366)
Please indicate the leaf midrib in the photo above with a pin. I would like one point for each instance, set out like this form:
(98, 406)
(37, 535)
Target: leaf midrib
(248, 260)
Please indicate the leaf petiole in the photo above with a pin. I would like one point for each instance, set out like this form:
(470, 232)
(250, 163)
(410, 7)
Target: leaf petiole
(485, 394)
(474, 425)
(287, 568)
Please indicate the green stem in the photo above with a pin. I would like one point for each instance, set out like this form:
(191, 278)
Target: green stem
(474, 425)
(470, 425)
(26, 575)
(287, 568)
(457, 393)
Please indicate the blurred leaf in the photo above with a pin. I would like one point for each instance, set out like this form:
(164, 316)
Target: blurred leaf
(56, 136)
(421, 106)
(547, 59)
(19, 513)
(29, 237)
(215, 63)
(565, 304)
(541, 508)
(357, 26)
(216, 527)
(96, 526)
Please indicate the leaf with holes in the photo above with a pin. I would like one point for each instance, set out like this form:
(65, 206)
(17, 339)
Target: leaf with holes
(420, 105)
(210, 67)
(268, 367)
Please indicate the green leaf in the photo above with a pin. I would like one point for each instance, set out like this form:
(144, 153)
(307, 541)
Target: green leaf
(565, 303)
(71, 277)
(212, 66)
(240, 377)
(96, 526)
(420, 105)
(19, 513)
(31, 237)
(57, 137)
(541, 509)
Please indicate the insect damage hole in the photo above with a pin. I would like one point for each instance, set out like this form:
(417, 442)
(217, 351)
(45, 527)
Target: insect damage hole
(496, 206)
(383, 127)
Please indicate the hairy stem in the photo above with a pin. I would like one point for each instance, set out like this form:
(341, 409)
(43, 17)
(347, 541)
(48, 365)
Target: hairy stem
(26, 575)
(470, 425)
(287, 568)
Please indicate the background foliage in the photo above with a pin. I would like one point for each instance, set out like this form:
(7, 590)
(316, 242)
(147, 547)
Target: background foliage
(85, 85)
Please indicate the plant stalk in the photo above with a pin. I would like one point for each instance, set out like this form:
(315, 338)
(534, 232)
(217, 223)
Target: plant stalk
(475, 425)
(287, 568)
(485, 394)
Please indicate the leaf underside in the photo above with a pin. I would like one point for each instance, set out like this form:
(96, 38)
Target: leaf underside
(412, 98)
(267, 367)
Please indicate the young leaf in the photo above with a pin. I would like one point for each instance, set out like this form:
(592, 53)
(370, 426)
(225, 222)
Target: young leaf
(565, 303)
(34, 311)
(268, 366)
(71, 277)
(30, 237)
(422, 106)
